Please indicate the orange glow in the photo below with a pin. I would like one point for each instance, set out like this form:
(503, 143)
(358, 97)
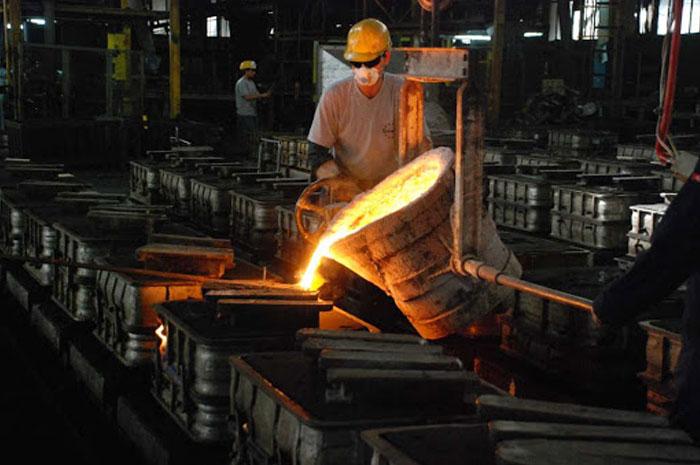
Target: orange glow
(160, 332)
(389, 196)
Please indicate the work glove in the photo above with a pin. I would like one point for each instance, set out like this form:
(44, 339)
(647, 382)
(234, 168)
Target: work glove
(605, 334)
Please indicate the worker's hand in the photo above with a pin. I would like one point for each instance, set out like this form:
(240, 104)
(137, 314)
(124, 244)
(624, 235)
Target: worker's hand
(604, 334)
(327, 169)
(596, 320)
(267, 94)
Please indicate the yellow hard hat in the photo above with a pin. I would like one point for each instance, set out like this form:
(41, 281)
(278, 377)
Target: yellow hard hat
(248, 64)
(367, 40)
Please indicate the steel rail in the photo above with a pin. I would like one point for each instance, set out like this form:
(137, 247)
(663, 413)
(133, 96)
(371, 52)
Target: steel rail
(145, 272)
(490, 274)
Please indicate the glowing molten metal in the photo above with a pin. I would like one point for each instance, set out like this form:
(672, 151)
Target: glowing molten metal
(160, 332)
(389, 196)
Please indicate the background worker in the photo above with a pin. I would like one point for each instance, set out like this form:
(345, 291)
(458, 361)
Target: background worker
(354, 131)
(673, 258)
(246, 109)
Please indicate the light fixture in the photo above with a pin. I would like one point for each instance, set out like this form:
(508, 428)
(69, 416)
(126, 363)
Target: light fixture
(469, 38)
(533, 34)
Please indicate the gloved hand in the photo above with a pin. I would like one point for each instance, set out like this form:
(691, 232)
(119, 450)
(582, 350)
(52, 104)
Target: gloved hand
(605, 334)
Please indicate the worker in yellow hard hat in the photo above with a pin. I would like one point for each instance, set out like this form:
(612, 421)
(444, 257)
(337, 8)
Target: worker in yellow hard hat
(354, 131)
(246, 111)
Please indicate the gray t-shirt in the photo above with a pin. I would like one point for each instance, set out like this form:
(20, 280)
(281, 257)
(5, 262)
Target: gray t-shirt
(360, 131)
(245, 86)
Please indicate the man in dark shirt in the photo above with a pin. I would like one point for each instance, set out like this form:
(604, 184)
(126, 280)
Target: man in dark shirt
(673, 258)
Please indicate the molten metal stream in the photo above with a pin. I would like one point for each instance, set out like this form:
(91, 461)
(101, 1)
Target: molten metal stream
(160, 332)
(389, 196)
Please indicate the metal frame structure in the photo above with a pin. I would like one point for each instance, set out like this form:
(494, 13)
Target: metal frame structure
(468, 207)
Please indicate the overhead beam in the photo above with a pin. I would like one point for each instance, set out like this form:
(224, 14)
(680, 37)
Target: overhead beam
(125, 13)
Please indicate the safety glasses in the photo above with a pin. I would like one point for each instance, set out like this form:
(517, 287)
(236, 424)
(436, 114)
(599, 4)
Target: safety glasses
(367, 64)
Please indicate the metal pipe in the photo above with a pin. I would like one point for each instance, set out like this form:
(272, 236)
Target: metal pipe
(457, 241)
(480, 270)
(142, 272)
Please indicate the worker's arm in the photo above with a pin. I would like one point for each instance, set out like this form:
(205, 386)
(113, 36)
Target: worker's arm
(249, 91)
(257, 95)
(323, 135)
(321, 162)
(672, 257)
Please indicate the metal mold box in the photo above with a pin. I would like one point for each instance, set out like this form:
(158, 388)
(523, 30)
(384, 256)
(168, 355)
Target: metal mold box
(539, 252)
(669, 182)
(254, 216)
(447, 444)
(175, 188)
(581, 142)
(606, 166)
(277, 401)
(636, 152)
(13, 203)
(39, 238)
(531, 191)
(646, 217)
(598, 203)
(144, 180)
(210, 202)
(125, 310)
(560, 323)
(79, 240)
(590, 233)
(663, 349)
(541, 159)
(192, 376)
(518, 216)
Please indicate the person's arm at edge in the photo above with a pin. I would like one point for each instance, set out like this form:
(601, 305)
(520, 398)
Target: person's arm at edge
(661, 269)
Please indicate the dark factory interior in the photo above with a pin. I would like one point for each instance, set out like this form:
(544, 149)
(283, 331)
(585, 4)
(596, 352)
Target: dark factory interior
(363, 232)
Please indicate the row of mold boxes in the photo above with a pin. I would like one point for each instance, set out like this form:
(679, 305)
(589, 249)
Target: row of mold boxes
(586, 204)
(236, 199)
(566, 344)
(232, 364)
(165, 175)
(581, 143)
(517, 432)
(280, 394)
(336, 393)
(69, 222)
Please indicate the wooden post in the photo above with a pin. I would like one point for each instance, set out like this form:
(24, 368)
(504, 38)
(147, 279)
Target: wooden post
(497, 44)
(175, 84)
